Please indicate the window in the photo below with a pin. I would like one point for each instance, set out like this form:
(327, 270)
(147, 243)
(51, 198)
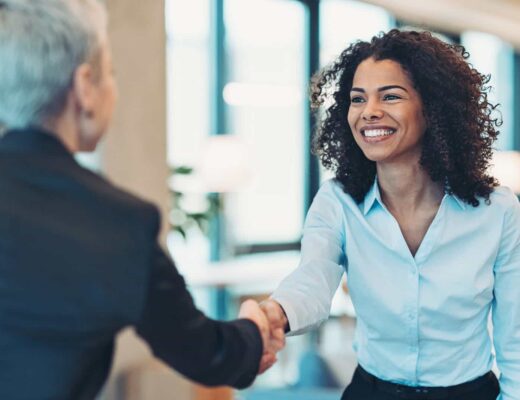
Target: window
(491, 55)
(265, 105)
(189, 98)
(343, 22)
(188, 63)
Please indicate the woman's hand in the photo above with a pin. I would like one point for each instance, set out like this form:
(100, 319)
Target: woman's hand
(275, 314)
(273, 337)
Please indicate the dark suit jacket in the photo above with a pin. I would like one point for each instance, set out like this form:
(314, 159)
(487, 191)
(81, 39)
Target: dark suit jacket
(79, 261)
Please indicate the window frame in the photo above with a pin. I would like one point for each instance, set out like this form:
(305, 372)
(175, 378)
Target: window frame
(219, 124)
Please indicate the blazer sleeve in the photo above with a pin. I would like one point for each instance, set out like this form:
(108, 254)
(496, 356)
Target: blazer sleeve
(207, 351)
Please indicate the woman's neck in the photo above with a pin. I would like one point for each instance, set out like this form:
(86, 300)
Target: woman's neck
(407, 187)
(64, 128)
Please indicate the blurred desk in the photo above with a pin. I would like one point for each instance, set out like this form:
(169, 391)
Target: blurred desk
(253, 274)
(259, 269)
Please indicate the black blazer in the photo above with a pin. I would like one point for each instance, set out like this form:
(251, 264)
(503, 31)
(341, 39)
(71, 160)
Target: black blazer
(79, 261)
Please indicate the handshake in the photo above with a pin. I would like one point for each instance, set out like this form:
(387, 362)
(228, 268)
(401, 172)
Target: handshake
(272, 322)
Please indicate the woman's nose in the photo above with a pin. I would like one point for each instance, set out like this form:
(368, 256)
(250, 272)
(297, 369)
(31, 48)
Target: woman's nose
(372, 111)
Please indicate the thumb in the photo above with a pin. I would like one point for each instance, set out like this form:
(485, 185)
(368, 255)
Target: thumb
(251, 310)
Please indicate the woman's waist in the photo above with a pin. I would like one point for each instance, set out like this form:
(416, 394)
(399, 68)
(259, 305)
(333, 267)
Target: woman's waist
(425, 392)
(422, 362)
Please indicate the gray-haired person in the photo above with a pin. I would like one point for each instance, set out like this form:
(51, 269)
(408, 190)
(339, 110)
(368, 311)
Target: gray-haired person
(79, 258)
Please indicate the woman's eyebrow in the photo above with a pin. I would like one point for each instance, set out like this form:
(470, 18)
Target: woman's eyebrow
(381, 89)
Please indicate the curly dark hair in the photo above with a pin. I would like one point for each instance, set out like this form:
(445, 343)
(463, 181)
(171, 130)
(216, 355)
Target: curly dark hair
(461, 129)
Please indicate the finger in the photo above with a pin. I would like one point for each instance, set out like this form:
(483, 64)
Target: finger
(268, 359)
(275, 346)
(274, 313)
(266, 362)
(275, 318)
(270, 308)
(278, 333)
(278, 336)
(264, 368)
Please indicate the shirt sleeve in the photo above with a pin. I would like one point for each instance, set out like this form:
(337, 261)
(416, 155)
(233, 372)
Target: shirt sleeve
(506, 304)
(306, 294)
(204, 350)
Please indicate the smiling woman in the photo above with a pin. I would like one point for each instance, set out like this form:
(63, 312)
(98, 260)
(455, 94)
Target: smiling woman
(429, 243)
(461, 128)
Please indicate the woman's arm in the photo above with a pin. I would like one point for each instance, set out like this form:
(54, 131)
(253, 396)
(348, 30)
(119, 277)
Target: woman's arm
(306, 295)
(506, 305)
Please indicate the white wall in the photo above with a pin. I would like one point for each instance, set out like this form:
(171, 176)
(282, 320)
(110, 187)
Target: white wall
(498, 17)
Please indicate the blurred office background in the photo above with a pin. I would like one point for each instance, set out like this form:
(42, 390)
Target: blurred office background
(213, 125)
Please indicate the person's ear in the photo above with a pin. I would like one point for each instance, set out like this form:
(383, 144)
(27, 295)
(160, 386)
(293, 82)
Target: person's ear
(84, 89)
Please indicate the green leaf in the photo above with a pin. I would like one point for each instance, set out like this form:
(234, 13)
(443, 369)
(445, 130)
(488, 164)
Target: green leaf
(183, 170)
(181, 230)
(198, 216)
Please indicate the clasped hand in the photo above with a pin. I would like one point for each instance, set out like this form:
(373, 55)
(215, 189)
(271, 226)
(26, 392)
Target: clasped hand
(271, 321)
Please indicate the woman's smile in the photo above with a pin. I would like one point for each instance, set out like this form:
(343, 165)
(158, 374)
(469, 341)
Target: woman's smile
(376, 134)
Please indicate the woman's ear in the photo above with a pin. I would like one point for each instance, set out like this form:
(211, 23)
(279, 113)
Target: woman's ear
(83, 88)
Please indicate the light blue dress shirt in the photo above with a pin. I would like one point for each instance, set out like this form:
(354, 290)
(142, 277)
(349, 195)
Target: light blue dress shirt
(423, 320)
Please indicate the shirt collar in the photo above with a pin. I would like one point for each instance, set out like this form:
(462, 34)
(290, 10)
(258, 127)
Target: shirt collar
(33, 140)
(461, 204)
(371, 197)
(374, 195)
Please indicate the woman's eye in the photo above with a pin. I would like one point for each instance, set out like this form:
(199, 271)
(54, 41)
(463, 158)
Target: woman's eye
(357, 99)
(391, 97)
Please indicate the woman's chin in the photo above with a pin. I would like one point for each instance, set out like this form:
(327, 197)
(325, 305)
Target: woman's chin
(89, 144)
(88, 149)
(376, 156)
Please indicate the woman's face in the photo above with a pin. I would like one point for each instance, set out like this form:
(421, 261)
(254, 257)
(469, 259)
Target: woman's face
(386, 113)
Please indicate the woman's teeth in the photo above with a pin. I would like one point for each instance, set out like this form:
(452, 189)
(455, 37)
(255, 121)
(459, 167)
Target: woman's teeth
(377, 132)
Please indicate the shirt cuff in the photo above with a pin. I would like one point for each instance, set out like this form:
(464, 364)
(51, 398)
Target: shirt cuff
(292, 317)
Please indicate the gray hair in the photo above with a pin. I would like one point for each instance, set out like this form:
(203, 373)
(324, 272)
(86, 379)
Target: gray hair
(42, 42)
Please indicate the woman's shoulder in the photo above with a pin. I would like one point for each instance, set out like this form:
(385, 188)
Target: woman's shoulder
(330, 184)
(334, 187)
(503, 196)
(332, 191)
(501, 201)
